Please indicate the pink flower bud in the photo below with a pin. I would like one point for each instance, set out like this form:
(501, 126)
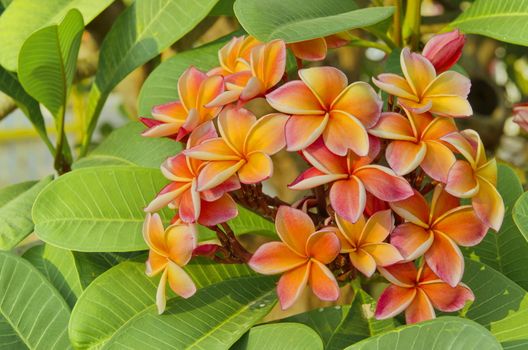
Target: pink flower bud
(444, 50)
(206, 250)
(520, 115)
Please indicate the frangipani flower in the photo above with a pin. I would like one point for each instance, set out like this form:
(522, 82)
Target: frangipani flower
(418, 292)
(321, 103)
(267, 63)
(363, 241)
(177, 119)
(423, 91)
(435, 232)
(444, 50)
(234, 56)
(170, 250)
(316, 49)
(301, 257)
(417, 143)
(475, 178)
(351, 178)
(244, 147)
(209, 207)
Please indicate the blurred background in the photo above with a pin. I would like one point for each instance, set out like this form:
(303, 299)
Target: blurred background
(498, 71)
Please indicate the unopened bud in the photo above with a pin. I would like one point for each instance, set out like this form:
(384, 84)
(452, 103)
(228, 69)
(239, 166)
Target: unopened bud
(444, 50)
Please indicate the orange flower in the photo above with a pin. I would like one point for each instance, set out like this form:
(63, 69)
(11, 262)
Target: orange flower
(351, 178)
(417, 143)
(301, 257)
(209, 207)
(234, 56)
(435, 232)
(170, 250)
(475, 178)
(321, 103)
(418, 292)
(363, 241)
(267, 64)
(244, 147)
(423, 91)
(316, 49)
(179, 118)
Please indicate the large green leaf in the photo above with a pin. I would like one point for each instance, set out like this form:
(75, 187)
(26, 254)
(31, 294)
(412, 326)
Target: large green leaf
(140, 33)
(126, 146)
(10, 85)
(119, 306)
(32, 313)
(507, 250)
(503, 20)
(24, 17)
(520, 214)
(98, 209)
(161, 85)
(280, 336)
(15, 212)
(47, 62)
(445, 333)
(298, 20)
(340, 326)
(500, 305)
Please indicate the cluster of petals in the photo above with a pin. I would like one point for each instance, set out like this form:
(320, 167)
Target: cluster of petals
(316, 49)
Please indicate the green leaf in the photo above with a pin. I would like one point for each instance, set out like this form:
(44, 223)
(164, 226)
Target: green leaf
(141, 32)
(98, 209)
(507, 250)
(126, 146)
(32, 313)
(119, 307)
(47, 62)
(503, 20)
(161, 85)
(24, 17)
(451, 333)
(520, 214)
(10, 85)
(15, 212)
(223, 8)
(298, 20)
(340, 326)
(500, 304)
(280, 336)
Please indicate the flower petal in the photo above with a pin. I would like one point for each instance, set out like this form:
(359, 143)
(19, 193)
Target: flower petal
(295, 97)
(437, 128)
(383, 183)
(231, 184)
(412, 241)
(344, 132)
(323, 246)
(442, 202)
(268, 62)
(311, 178)
(167, 194)
(171, 112)
(161, 296)
(393, 126)
(420, 309)
(405, 156)
(218, 211)
(215, 173)
(189, 208)
(378, 227)
(212, 149)
(395, 85)
(393, 301)
(294, 227)
(450, 106)
(302, 130)
(462, 225)
(324, 160)
(445, 259)
(348, 198)
(258, 167)
(176, 169)
(418, 71)
(326, 83)
(446, 298)
(461, 180)
(310, 50)
(350, 232)
(415, 107)
(402, 274)
(234, 125)
(414, 209)
(291, 285)
(363, 262)
(323, 282)
(179, 281)
(384, 254)
(155, 263)
(267, 134)
(449, 83)
(462, 145)
(154, 233)
(437, 161)
(210, 88)
(275, 257)
(361, 101)
(189, 85)
(488, 204)
(181, 240)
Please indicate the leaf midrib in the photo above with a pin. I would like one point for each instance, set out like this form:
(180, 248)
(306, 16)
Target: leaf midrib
(491, 16)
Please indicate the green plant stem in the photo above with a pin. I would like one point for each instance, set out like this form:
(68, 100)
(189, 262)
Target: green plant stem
(366, 43)
(396, 24)
(411, 24)
(382, 36)
(61, 163)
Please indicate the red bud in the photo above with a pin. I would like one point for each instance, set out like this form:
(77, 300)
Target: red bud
(444, 50)
(520, 115)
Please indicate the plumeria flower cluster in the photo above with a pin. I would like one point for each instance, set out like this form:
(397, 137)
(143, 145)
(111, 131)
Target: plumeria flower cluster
(395, 190)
